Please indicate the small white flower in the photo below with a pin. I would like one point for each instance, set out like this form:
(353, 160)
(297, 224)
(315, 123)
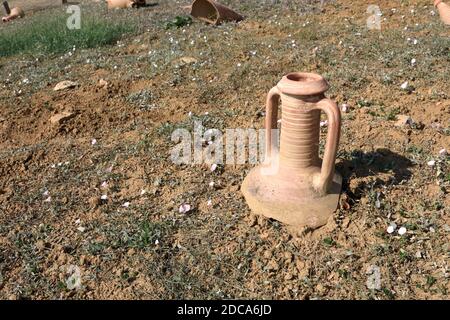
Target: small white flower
(324, 123)
(156, 242)
(45, 193)
(404, 85)
(60, 164)
(415, 41)
(104, 185)
(402, 231)
(53, 166)
(238, 64)
(81, 229)
(211, 184)
(48, 199)
(391, 228)
(213, 167)
(126, 204)
(104, 197)
(344, 108)
(431, 163)
(184, 208)
(413, 61)
(143, 191)
(190, 114)
(209, 203)
(94, 141)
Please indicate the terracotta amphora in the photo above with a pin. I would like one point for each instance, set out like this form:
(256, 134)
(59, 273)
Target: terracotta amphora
(213, 12)
(294, 185)
(444, 11)
(15, 13)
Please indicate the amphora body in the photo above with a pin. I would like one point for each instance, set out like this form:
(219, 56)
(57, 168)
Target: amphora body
(294, 185)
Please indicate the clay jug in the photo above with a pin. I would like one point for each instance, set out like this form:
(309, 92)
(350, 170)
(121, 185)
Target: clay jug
(294, 185)
(16, 12)
(444, 11)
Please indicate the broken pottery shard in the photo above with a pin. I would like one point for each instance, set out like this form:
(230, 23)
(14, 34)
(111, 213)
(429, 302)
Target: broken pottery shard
(66, 84)
(61, 117)
(16, 12)
(403, 120)
(213, 12)
(187, 60)
(123, 4)
(444, 11)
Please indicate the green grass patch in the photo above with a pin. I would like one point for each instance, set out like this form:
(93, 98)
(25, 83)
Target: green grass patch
(49, 34)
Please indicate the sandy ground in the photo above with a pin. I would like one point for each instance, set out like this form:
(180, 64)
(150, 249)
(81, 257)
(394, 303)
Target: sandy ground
(54, 226)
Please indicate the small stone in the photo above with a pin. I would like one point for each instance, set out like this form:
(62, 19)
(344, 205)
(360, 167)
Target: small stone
(252, 220)
(187, 60)
(103, 83)
(403, 120)
(40, 245)
(66, 84)
(300, 265)
(184, 208)
(267, 254)
(61, 117)
(418, 255)
(273, 265)
(288, 276)
(288, 256)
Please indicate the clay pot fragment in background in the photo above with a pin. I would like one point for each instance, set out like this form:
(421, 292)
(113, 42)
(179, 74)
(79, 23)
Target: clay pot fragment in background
(213, 12)
(123, 4)
(444, 11)
(16, 12)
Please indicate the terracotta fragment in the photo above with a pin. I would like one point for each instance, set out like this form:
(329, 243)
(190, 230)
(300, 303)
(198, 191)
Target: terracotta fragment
(213, 12)
(294, 185)
(15, 13)
(123, 4)
(444, 11)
